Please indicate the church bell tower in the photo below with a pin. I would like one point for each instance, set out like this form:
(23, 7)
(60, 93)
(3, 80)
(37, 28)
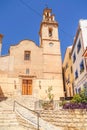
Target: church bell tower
(49, 27)
(49, 41)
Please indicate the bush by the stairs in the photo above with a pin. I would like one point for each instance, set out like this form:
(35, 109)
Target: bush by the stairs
(75, 106)
(79, 101)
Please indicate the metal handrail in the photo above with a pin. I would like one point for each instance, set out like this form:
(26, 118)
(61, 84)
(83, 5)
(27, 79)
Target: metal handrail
(28, 110)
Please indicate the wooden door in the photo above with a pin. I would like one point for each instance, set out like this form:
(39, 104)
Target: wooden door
(26, 87)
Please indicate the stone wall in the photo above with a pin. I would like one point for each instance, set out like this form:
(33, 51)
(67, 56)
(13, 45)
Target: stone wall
(34, 64)
(67, 119)
(13, 87)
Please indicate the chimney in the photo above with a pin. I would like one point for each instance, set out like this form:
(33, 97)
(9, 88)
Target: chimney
(1, 36)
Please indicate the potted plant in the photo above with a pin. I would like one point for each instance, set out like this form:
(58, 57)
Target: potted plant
(48, 105)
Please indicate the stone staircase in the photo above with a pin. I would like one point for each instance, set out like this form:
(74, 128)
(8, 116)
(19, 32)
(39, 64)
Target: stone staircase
(33, 118)
(25, 119)
(28, 101)
(8, 121)
(25, 123)
(22, 118)
(66, 119)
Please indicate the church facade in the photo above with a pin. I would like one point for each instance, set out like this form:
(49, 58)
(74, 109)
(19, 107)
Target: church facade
(29, 69)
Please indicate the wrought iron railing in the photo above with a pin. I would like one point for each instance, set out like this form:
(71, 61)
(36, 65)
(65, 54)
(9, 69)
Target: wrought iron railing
(30, 115)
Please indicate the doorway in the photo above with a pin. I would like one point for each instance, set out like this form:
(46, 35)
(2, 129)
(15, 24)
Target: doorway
(26, 87)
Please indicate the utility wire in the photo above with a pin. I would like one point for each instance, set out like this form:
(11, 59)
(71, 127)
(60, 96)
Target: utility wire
(28, 6)
(67, 34)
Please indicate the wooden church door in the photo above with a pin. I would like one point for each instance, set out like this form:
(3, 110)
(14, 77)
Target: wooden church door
(27, 87)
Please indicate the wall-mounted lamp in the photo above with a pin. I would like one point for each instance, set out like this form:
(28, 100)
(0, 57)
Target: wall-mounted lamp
(40, 84)
(14, 84)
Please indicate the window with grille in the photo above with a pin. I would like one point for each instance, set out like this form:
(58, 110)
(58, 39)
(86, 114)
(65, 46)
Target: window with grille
(67, 65)
(76, 74)
(79, 90)
(81, 66)
(78, 46)
(74, 57)
(27, 71)
(71, 69)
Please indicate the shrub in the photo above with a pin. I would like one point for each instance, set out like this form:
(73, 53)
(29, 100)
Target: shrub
(79, 101)
(75, 106)
(50, 95)
(76, 99)
(48, 105)
(83, 95)
(80, 98)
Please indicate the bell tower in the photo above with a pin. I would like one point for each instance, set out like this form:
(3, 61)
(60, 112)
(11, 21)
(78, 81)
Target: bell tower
(49, 27)
(49, 41)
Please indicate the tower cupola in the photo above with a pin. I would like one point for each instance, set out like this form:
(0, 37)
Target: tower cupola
(48, 16)
(48, 27)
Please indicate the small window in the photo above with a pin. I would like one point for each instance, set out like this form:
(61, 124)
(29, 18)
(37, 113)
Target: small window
(71, 69)
(74, 57)
(78, 46)
(76, 91)
(27, 71)
(79, 90)
(81, 66)
(68, 78)
(73, 88)
(27, 55)
(69, 55)
(66, 65)
(50, 32)
(85, 88)
(76, 74)
(85, 85)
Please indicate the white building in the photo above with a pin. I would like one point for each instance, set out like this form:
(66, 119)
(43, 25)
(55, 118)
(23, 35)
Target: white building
(79, 62)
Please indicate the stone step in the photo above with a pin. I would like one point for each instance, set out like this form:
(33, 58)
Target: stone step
(6, 111)
(21, 99)
(24, 123)
(8, 119)
(5, 124)
(7, 115)
(28, 101)
(12, 128)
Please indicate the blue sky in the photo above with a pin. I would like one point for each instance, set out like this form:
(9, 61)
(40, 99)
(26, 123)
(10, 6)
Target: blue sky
(20, 19)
